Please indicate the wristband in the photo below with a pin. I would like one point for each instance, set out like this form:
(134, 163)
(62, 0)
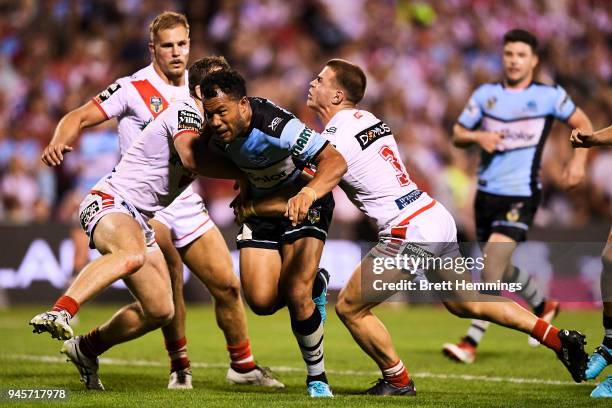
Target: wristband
(310, 191)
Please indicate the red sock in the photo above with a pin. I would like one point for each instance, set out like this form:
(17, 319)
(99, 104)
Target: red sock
(66, 303)
(92, 345)
(240, 354)
(546, 334)
(396, 374)
(177, 351)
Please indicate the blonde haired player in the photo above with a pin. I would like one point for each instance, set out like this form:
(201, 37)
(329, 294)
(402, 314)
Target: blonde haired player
(184, 230)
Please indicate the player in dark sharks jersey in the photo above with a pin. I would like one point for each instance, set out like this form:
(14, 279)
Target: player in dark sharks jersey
(279, 257)
(510, 121)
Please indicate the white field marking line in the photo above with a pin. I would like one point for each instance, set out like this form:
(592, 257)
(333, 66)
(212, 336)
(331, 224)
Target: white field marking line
(287, 369)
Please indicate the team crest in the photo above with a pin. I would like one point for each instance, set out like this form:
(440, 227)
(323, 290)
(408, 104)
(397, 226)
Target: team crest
(314, 215)
(532, 105)
(156, 104)
(491, 102)
(515, 212)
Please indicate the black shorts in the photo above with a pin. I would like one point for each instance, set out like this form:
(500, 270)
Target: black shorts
(274, 232)
(508, 215)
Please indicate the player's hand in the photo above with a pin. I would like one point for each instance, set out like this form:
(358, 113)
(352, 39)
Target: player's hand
(580, 138)
(53, 155)
(573, 174)
(298, 206)
(489, 141)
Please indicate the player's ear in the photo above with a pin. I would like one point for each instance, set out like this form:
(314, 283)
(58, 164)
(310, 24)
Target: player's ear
(198, 92)
(338, 97)
(243, 104)
(535, 61)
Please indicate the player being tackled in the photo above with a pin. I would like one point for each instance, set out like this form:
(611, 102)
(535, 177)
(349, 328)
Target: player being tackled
(408, 220)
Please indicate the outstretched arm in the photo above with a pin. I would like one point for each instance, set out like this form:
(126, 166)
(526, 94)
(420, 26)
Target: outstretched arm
(68, 130)
(583, 138)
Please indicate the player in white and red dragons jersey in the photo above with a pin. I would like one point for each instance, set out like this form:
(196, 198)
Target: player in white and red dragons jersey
(184, 229)
(409, 221)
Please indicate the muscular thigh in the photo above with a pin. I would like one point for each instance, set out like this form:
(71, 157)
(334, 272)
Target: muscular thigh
(151, 283)
(300, 261)
(163, 238)
(118, 231)
(209, 258)
(259, 271)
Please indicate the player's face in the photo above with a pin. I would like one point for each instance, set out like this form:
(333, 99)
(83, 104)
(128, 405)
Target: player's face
(227, 116)
(171, 51)
(519, 62)
(322, 89)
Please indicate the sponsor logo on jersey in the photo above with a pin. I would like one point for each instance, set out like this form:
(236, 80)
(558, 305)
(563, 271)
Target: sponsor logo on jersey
(490, 104)
(408, 199)
(88, 213)
(532, 106)
(331, 130)
(302, 141)
(189, 120)
(275, 122)
(270, 176)
(156, 104)
(266, 178)
(104, 95)
(372, 134)
(512, 139)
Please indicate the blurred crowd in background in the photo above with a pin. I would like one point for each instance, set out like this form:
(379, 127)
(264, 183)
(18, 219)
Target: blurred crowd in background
(422, 59)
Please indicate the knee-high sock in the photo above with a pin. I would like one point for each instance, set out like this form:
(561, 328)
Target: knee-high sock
(309, 335)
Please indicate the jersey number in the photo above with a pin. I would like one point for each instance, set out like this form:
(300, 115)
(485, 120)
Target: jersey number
(389, 155)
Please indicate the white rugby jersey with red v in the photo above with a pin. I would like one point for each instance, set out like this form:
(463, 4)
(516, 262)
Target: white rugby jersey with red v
(136, 101)
(379, 185)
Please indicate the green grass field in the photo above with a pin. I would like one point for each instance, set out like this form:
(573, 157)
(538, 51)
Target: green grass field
(507, 371)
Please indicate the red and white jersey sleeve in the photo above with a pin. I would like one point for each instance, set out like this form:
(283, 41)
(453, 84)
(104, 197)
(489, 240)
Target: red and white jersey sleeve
(150, 174)
(136, 101)
(376, 181)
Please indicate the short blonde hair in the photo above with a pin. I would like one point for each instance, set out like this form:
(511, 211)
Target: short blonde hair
(166, 20)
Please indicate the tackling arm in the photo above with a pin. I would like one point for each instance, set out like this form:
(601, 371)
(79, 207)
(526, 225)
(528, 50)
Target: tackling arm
(582, 138)
(331, 166)
(197, 157)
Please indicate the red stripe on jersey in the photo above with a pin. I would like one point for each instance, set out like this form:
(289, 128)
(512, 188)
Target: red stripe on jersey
(400, 230)
(152, 98)
(103, 195)
(177, 134)
(97, 103)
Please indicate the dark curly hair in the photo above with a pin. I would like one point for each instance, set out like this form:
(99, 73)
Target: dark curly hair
(230, 82)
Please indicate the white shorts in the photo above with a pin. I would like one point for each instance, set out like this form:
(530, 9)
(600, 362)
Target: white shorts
(427, 229)
(98, 204)
(186, 217)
